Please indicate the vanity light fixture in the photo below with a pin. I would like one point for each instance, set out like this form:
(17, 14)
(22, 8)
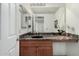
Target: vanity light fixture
(38, 4)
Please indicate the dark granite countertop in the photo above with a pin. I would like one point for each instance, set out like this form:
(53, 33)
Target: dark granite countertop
(54, 39)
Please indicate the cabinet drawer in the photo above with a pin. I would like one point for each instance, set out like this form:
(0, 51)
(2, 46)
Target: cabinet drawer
(35, 43)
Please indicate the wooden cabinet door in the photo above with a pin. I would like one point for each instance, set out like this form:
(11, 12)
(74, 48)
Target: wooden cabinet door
(35, 48)
(28, 51)
(44, 51)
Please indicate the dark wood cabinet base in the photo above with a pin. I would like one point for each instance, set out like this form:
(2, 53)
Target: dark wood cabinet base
(35, 48)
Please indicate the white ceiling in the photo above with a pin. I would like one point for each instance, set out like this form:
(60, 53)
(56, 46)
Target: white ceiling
(47, 8)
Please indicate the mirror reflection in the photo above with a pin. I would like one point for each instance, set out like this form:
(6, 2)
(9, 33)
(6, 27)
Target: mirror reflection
(51, 20)
(45, 18)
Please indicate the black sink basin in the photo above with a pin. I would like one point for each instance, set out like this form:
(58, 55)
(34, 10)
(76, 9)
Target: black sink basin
(37, 36)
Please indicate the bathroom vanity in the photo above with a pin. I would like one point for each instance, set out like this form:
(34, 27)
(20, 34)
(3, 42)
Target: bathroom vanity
(41, 46)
